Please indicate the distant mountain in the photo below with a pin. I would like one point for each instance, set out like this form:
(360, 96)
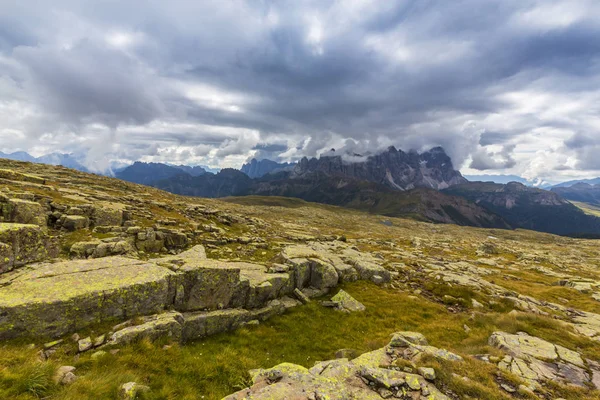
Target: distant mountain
(582, 192)
(594, 181)
(257, 169)
(148, 173)
(422, 204)
(393, 168)
(66, 160)
(227, 182)
(193, 171)
(18, 156)
(504, 179)
(529, 208)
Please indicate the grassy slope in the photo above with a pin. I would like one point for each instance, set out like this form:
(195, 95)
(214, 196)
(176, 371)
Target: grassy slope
(587, 208)
(216, 366)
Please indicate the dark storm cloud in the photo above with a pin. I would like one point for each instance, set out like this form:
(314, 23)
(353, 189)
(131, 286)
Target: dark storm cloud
(225, 81)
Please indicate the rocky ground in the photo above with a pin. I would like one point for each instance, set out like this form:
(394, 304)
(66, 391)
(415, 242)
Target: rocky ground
(110, 289)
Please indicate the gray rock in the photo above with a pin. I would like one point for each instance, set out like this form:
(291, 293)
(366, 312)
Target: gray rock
(75, 222)
(347, 302)
(168, 324)
(64, 375)
(323, 275)
(85, 344)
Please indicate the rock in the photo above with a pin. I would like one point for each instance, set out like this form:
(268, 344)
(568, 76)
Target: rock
(359, 379)
(508, 388)
(23, 212)
(60, 377)
(18, 176)
(52, 344)
(301, 296)
(84, 344)
(107, 216)
(100, 289)
(476, 304)
(383, 377)
(69, 378)
(323, 275)
(75, 222)
(347, 302)
(129, 390)
(168, 324)
(99, 341)
(405, 339)
(84, 249)
(427, 373)
(22, 244)
(536, 360)
(96, 355)
(346, 353)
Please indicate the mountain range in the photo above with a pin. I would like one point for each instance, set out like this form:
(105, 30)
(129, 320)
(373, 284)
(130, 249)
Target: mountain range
(423, 186)
(66, 160)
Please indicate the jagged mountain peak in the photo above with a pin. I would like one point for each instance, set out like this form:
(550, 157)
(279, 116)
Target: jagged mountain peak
(392, 167)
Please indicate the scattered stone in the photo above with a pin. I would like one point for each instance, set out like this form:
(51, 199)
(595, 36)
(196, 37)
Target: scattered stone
(301, 296)
(99, 341)
(427, 373)
(129, 390)
(64, 375)
(347, 302)
(96, 355)
(346, 353)
(52, 344)
(508, 388)
(85, 344)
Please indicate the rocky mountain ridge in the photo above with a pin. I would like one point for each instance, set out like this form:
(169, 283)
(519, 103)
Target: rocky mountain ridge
(258, 168)
(393, 168)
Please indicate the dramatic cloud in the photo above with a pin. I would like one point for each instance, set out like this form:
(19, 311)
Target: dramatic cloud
(504, 86)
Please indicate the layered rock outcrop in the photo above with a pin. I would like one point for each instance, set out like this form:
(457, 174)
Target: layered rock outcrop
(54, 299)
(369, 376)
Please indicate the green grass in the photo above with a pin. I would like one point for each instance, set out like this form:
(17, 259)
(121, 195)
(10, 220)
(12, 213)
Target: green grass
(587, 208)
(218, 365)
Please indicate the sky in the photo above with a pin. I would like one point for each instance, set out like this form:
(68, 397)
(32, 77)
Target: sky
(505, 86)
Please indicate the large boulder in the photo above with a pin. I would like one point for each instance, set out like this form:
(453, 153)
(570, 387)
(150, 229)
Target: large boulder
(106, 216)
(323, 275)
(74, 222)
(23, 212)
(22, 244)
(54, 299)
(150, 241)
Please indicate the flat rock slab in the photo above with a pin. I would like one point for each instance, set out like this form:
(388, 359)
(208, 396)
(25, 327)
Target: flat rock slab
(54, 299)
(536, 360)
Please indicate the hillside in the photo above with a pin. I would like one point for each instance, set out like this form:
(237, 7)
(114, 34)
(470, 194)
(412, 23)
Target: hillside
(109, 288)
(529, 208)
(581, 192)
